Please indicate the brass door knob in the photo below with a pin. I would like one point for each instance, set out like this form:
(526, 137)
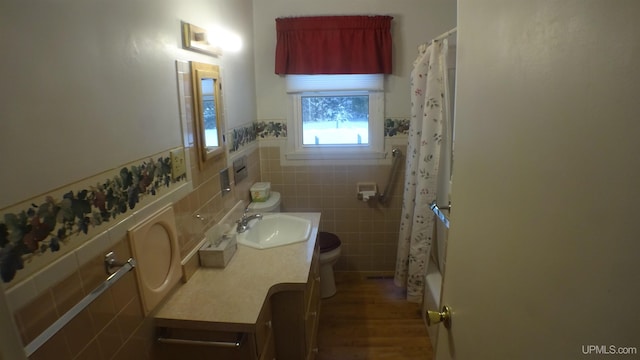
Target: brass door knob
(434, 317)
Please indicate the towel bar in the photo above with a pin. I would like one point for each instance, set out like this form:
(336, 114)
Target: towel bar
(77, 308)
(397, 154)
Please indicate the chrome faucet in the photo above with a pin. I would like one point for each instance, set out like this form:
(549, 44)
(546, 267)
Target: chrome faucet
(243, 224)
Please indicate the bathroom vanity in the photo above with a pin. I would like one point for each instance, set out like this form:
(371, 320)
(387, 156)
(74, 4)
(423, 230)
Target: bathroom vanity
(265, 302)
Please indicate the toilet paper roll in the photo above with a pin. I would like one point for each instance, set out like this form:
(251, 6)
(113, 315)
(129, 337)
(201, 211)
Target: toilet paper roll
(366, 195)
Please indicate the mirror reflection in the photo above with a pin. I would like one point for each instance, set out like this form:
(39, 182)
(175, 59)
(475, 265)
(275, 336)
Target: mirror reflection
(209, 112)
(209, 124)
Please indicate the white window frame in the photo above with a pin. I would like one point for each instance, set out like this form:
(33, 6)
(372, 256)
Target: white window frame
(335, 85)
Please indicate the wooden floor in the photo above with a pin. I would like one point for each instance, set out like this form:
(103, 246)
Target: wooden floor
(370, 319)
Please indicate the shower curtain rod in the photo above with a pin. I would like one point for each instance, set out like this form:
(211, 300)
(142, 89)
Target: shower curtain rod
(445, 35)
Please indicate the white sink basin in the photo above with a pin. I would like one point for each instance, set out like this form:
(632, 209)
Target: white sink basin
(275, 230)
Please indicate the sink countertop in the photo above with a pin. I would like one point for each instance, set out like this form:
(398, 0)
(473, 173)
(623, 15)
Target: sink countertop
(231, 298)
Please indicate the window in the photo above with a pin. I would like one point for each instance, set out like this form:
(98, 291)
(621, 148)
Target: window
(335, 116)
(335, 119)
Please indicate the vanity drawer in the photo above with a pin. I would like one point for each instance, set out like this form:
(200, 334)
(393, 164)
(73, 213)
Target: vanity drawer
(295, 314)
(263, 328)
(176, 343)
(314, 274)
(179, 343)
(269, 352)
(312, 303)
(312, 315)
(313, 353)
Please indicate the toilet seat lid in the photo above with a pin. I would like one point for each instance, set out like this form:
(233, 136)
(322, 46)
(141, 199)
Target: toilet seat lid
(328, 241)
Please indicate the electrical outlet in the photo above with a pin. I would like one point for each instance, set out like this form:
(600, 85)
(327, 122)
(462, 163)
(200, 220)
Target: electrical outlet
(178, 164)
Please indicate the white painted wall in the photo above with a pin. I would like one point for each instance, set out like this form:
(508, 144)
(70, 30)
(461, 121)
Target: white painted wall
(415, 22)
(89, 85)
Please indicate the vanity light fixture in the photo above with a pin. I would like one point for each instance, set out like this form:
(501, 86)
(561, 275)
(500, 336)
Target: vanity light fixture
(197, 39)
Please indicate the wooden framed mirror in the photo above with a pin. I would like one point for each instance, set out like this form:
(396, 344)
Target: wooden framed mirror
(207, 107)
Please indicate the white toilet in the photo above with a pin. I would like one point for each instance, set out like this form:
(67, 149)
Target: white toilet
(271, 205)
(329, 253)
(329, 245)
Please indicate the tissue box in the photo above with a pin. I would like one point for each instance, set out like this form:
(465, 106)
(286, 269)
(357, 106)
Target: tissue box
(260, 191)
(217, 254)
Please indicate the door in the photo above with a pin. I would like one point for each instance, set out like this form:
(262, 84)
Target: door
(543, 258)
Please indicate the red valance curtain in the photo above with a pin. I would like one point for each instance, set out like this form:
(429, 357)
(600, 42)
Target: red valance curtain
(334, 45)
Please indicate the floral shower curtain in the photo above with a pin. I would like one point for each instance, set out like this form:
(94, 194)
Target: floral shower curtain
(417, 223)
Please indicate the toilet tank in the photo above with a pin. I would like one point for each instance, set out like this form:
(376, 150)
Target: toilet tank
(271, 205)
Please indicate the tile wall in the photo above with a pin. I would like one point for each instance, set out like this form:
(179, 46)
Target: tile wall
(113, 326)
(368, 231)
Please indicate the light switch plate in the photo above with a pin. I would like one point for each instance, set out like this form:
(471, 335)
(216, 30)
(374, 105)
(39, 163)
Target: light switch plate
(225, 184)
(178, 164)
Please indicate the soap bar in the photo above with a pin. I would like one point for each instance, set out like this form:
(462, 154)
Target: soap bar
(218, 253)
